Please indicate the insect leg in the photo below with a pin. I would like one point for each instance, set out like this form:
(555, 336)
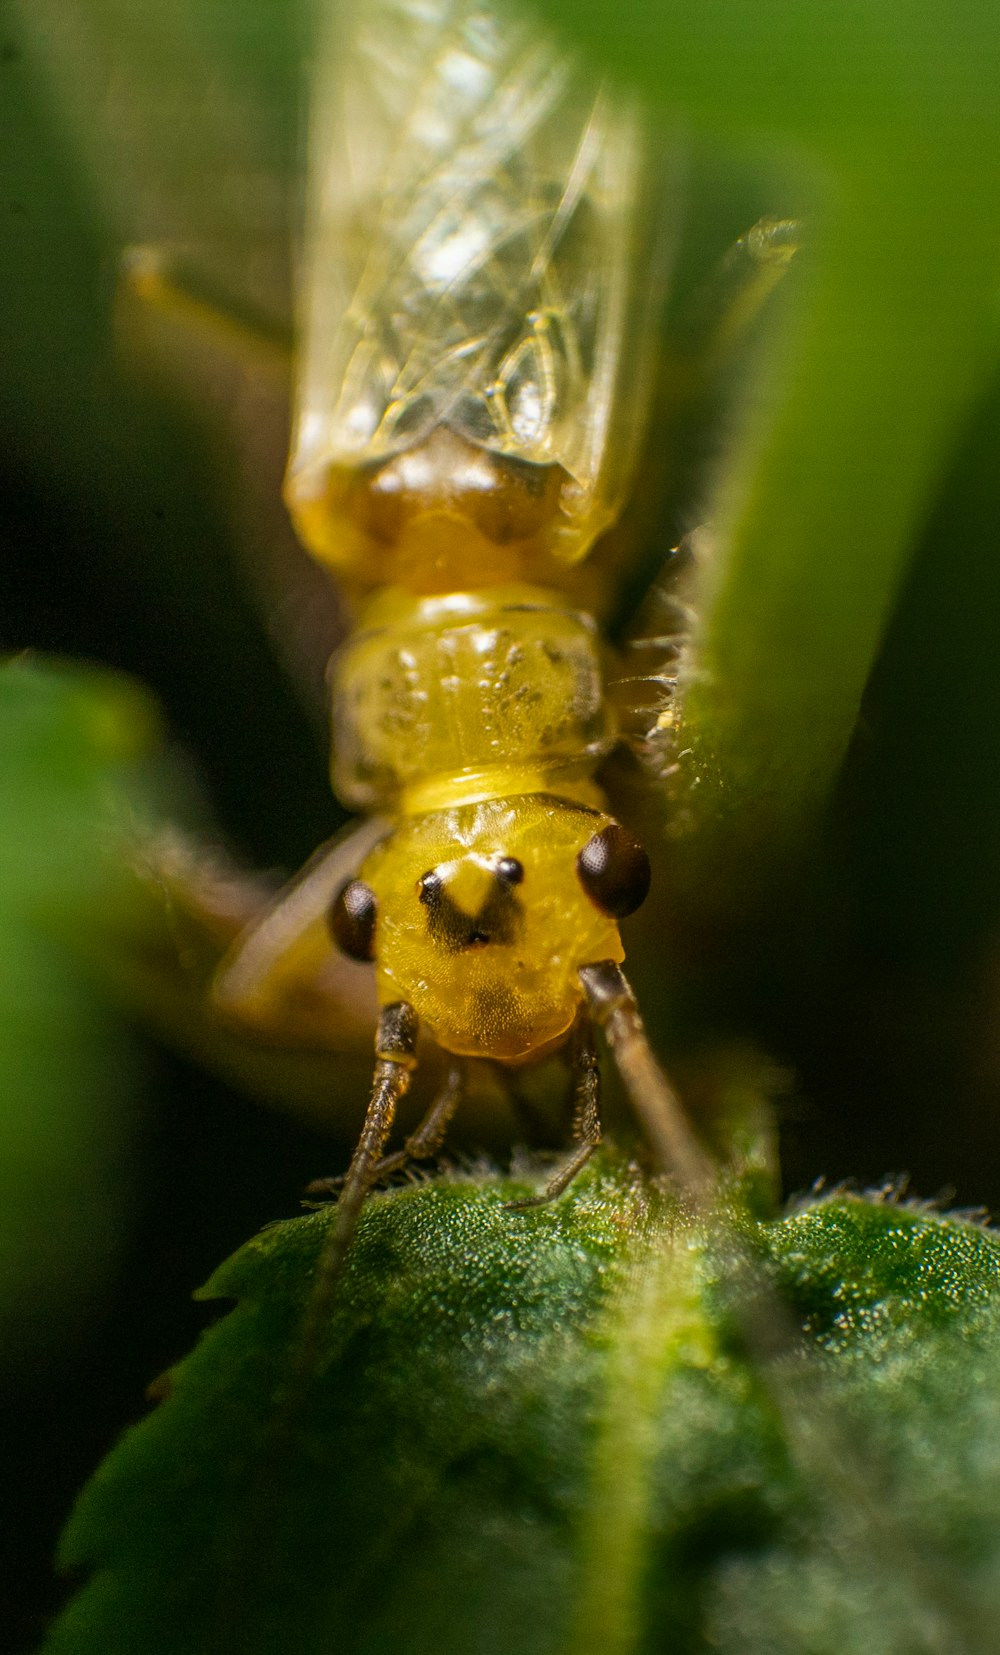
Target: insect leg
(654, 1100)
(424, 1142)
(395, 1042)
(430, 1134)
(749, 273)
(283, 978)
(586, 1083)
(154, 280)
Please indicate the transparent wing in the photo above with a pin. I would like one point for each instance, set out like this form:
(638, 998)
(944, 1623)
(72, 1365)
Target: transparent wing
(472, 255)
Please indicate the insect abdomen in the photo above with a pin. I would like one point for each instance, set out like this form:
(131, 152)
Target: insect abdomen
(443, 701)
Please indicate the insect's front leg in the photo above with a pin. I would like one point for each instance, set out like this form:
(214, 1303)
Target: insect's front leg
(585, 1083)
(395, 1046)
(421, 1145)
(283, 978)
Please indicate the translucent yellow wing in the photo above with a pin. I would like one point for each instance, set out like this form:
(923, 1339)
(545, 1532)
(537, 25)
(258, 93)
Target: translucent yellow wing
(472, 264)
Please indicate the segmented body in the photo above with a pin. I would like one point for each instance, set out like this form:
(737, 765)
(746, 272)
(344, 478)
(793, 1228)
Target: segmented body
(467, 418)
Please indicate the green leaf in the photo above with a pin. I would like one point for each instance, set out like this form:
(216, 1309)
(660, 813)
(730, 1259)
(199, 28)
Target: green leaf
(564, 1432)
(880, 125)
(71, 745)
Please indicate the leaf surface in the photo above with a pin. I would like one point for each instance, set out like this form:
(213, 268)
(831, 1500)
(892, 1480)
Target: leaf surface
(556, 1432)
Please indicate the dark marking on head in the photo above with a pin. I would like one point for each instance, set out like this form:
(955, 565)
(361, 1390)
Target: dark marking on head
(352, 917)
(614, 871)
(430, 889)
(498, 919)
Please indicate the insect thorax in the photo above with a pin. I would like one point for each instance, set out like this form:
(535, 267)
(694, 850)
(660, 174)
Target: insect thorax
(473, 695)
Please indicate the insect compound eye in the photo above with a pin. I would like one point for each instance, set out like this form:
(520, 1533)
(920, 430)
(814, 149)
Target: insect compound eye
(509, 870)
(614, 871)
(351, 919)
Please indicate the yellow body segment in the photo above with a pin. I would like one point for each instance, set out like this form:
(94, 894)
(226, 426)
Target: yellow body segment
(516, 992)
(441, 701)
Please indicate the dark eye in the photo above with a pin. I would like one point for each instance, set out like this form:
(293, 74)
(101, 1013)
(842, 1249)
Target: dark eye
(509, 870)
(351, 919)
(614, 871)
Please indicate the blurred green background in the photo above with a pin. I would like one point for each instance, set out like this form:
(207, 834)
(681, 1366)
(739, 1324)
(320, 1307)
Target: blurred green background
(856, 478)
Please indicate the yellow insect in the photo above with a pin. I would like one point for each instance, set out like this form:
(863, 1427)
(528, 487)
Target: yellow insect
(477, 310)
(478, 319)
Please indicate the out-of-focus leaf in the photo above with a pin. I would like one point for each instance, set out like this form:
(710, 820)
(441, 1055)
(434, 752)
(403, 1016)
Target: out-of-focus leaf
(549, 1432)
(884, 120)
(71, 745)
